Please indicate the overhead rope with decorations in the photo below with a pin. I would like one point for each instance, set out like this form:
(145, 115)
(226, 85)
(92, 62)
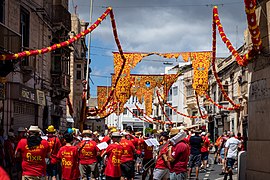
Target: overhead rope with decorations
(253, 29)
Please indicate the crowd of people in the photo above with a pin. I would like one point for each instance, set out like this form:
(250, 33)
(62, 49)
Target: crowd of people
(118, 155)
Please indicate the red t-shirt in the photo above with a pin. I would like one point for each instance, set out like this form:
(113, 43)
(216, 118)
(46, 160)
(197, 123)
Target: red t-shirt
(139, 146)
(180, 153)
(33, 160)
(70, 163)
(128, 150)
(160, 164)
(134, 141)
(3, 174)
(206, 144)
(114, 153)
(106, 139)
(148, 151)
(88, 152)
(54, 148)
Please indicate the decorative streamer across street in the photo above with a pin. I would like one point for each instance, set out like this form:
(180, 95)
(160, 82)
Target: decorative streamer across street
(253, 29)
(175, 110)
(236, 106)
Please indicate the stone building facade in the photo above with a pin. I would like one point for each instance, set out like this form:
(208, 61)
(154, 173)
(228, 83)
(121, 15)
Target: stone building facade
(35, 87)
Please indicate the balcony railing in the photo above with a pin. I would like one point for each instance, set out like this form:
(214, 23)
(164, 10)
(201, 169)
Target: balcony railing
(61, 15)
(10, 41)
(61, 81)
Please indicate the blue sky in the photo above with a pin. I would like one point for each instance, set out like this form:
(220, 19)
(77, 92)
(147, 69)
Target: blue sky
(159, 26)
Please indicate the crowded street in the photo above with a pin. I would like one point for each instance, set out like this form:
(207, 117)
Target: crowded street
(126, 90)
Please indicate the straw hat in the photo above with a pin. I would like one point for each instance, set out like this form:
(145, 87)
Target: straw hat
(96, 133)
(34, 129)
(88, 131)
(138, 133)
(174, 131)
(159, 131)
(51, 129)
(116, 134)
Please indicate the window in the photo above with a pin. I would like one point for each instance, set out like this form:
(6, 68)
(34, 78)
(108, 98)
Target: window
(2, 11)
(226, 88)
(25, 17)
(137, 113)
(169, 98)
(125, 111)
(79, 74)
(79, 66)
(190, 91)
(175, 91)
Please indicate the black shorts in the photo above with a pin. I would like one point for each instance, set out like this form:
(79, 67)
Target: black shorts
(128, 169)
(52, 170)
(204, 156)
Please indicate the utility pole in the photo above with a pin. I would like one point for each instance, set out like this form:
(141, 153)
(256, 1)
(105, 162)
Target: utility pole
(88, 56)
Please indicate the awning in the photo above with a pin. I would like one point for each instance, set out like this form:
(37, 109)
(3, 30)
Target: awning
(70, 120)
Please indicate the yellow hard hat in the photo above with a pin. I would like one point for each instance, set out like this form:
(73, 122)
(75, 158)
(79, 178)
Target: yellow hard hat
(113, 130)
(51, 129)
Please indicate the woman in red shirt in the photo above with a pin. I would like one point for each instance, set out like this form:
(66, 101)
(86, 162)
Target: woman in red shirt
(114, 152)
(69, 158)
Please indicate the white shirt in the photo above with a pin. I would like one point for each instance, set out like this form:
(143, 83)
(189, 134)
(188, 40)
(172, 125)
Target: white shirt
(232, 145)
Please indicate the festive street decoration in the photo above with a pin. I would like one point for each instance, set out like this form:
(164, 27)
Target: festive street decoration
(102, 95)
(254, 32)
(236, 106)
(200, 63)
(198, 104)
(175, 110)
(163, 110)
(135, 115)
(59, 45)
(70, 107)
(218, 105)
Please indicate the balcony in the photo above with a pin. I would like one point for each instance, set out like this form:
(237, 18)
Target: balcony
(61, 17)
(60, 85)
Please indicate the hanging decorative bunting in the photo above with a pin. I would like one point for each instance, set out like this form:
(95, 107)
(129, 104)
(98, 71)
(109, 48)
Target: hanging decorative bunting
(102, 95)
(200, 63)
(253, 29)
(59, 45)
(168, 81)
(236, 106)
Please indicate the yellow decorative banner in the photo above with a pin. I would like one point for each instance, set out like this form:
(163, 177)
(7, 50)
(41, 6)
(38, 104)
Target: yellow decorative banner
(200, 63)
(102, 95)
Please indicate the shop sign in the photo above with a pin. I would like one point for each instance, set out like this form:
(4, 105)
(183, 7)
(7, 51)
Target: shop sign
(41, 98)
(28, 94)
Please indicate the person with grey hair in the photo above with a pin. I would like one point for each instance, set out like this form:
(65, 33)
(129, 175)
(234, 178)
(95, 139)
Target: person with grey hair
(231, 148)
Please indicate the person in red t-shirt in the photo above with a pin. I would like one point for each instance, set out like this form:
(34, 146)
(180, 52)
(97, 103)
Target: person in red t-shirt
(178, 156)
(88, 152)
(205, 150)
(54, 144)
(69, 157)
(3, 174)
(148, 161)
(139, 149)
(127, 158)
(161, 171)
(33, 150)
(114, 152)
